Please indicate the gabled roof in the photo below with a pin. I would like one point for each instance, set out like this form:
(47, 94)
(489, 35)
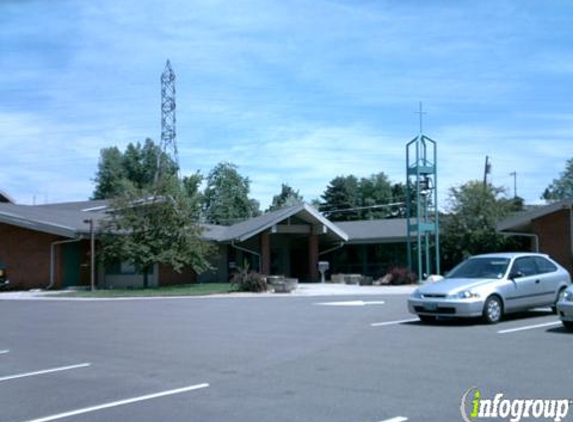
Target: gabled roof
(245, 230)
(522, 221)
(375, 231)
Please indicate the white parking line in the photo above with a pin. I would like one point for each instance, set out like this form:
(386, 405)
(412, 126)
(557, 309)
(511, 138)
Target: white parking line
(352, 303)
(402, 321)
(3, 352)
(45, 371)
(396, 419)
(118, 403)
(528, 327)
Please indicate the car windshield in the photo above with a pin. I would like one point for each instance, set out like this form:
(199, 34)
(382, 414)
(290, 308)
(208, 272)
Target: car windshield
(480, 268)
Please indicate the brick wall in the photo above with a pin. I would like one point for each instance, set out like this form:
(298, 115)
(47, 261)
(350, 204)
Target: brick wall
(554, 231)
(26, 254)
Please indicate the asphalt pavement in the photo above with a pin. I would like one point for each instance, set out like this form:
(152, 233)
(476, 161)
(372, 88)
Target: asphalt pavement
(245, 359)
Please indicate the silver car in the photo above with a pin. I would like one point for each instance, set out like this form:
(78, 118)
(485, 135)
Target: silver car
(565, 308)
(491, 285)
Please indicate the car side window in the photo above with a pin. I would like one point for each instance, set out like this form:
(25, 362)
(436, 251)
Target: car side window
(526, 266)
(544, 265)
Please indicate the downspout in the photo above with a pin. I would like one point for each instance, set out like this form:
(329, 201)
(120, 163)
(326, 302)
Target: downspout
(53, 258)
(532, 235)
(258, 255)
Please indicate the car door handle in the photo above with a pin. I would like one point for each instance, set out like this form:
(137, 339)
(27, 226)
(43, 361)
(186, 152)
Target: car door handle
(537, 281)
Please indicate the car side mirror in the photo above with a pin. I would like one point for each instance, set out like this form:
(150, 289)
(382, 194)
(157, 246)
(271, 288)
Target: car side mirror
(516, 274)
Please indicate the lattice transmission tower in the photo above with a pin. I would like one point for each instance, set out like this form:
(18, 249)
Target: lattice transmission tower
(168, 120)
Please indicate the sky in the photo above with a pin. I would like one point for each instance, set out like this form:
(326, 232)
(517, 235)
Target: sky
(291, 91)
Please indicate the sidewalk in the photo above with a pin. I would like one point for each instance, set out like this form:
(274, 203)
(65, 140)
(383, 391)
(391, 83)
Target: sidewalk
(303, 290)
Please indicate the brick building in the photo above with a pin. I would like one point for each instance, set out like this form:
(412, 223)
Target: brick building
(550, 229)
(47, 246)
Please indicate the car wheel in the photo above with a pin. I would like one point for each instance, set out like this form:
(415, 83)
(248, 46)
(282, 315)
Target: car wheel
(568, 324)
(492, 310)
(559, 296)
(427, 318)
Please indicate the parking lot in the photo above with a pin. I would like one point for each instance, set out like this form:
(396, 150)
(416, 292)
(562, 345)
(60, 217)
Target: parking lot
(351, 359)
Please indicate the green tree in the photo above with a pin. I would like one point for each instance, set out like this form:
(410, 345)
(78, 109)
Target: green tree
(562, 187)
(136, 166)
(375, 190)
(191, 185)
(366, 198)
(226, 198)
(151, 227)
(287, 198)
(110, 177)
(469, 227)
(341, 194)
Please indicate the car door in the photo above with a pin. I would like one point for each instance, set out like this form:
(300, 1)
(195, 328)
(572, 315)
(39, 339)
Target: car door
(550, 280)
(526, 290)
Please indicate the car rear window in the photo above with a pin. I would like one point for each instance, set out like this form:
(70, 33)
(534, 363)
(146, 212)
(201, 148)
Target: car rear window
(544, 265)
(480, 268)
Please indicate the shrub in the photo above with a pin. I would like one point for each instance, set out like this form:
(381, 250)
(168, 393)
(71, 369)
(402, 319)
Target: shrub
(401, 275)
(249, 281)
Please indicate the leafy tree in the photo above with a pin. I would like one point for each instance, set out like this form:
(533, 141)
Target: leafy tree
(362, 196)
(561, 188)
(287, 198)
(470, 226)
(375, 190)
(226, 198)
(136, 166)
(110, 177)
(191, 185)
(341, 194)
(151, 227)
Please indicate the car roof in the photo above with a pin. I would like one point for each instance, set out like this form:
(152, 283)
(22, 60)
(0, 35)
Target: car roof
(510, 255)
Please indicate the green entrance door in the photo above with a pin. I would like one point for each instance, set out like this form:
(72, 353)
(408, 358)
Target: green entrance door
(72, 259)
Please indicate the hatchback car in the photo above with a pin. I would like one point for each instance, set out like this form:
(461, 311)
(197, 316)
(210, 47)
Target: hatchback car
(491, 285)
(565, 308)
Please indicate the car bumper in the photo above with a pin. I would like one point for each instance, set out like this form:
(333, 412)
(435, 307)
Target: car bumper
(443, 307)
(565, 311)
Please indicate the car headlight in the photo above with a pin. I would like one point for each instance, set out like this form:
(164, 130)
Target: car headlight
(465, 294)
(568, 296)
(416, 294)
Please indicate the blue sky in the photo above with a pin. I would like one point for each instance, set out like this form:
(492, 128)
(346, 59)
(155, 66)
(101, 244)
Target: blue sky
(291, 91)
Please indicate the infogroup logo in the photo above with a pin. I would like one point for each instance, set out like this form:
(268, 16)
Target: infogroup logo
(474, 407)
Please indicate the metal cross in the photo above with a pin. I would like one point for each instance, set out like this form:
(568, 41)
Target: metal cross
(421, 113)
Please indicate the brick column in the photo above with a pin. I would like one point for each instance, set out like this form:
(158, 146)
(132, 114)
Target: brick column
(313, 258)
(265, 253)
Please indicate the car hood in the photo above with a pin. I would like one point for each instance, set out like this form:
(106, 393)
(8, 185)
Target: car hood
(449, 286)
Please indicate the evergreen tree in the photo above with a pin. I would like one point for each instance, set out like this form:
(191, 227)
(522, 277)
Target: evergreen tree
(562, 187)
(286, 198)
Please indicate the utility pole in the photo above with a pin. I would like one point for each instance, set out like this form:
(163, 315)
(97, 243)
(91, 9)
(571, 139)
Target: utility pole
(514, 174)
(92, 252)
(486, 171)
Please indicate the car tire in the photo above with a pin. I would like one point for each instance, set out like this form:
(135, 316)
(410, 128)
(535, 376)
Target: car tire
(427, 318)
(561, 292)
(568, 325)
(492, 310)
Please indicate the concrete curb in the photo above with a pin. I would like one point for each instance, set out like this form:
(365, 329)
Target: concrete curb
(303, 290)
